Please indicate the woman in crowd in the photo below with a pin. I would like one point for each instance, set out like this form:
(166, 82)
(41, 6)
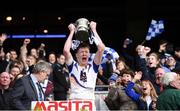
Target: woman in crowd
(15, 74)
(146, 100)
(148, 63)
(120, 66)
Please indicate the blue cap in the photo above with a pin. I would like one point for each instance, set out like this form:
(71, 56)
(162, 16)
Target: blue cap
(113, 77)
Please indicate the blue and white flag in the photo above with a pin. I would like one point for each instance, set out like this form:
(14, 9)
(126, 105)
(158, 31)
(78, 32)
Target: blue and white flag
(156, 27)
(109, 51)
(114, 55)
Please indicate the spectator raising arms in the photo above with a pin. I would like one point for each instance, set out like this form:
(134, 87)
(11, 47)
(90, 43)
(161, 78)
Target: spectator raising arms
(146, 100)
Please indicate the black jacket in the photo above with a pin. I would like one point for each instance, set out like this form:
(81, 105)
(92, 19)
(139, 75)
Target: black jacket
(23, 93)
(5, 99)
(60, 78)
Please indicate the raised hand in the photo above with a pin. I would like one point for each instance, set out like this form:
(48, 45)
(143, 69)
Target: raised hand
(137, 76)
(93, 25)
(42, 45)
(142, 50)
(3, 37)
(71, 27)
(26, 41)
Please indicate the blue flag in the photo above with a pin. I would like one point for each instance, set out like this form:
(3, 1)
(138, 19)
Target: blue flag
(156, 27)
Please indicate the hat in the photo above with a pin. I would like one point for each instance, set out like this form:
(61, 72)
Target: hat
(113, 77)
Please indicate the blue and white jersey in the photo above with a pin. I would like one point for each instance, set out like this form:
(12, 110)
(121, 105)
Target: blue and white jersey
(83, 80)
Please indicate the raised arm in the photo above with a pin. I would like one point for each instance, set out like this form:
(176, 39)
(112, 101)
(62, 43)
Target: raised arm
(67, 45)
(3, 37)
(100, 45)
(129, 89)
(24, 51)
(141, 62)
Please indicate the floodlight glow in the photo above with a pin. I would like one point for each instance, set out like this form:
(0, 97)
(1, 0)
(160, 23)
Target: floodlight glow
(45, 31)
(59, 18)
(8, 18)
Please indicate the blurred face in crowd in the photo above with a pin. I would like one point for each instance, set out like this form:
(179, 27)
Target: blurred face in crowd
(159, 72)
(61, 59)
(31, 60)
(152, 61)
(126, 78)
(15, 71)
(177, 53)
(162, 61)
(146, 87)
(162, 47)
(8, 56)
(43, 75)
(52, 58)
(170, 61)
(120, 66)
(140, 49)
(19, 64)
(5, 79)
(34, 52)
(13, 55)
(82, 56)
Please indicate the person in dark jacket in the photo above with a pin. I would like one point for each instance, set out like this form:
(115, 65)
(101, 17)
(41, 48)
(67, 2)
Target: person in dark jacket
(27, 88)
(61, 79)
(148, 65)
(5, 91)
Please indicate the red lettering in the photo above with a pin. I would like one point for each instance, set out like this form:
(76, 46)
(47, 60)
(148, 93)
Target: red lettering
(40, 106)
(70, 105)
(88, 104)
(63, 104)
(52, 106)
(77, 104)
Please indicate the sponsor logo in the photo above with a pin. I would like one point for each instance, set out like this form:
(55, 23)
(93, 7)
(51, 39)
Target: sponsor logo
(70, 105)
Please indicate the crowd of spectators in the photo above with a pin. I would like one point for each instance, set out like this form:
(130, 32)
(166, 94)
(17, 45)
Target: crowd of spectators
(146, 80)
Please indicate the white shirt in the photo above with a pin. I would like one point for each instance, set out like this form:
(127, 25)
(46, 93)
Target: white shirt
(148, 101)
(85, 80)
(34, 79)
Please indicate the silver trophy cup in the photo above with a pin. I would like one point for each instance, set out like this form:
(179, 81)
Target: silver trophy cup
(82, 29)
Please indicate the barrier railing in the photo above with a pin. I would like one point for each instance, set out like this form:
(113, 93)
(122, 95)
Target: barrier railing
(101, 92)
